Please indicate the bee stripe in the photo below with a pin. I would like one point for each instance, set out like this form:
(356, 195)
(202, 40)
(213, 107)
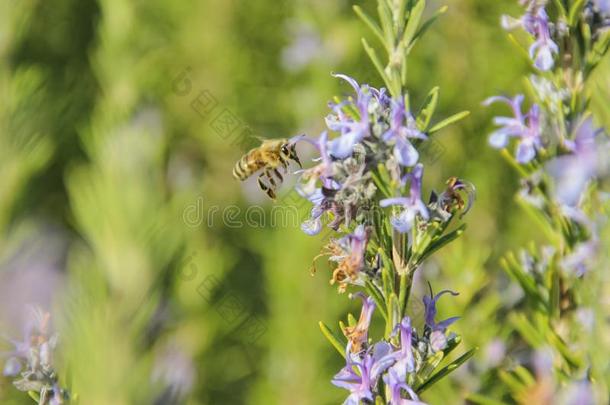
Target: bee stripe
(238, 171)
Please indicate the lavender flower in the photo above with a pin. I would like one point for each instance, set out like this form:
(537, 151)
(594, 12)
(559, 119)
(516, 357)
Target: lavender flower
(32, 359)
(397, 385)
(412, 205)
(603, 6)
(358, 334)
(525, 127)
(572, 172)
(430, 306)
(372, 155)
(579, 260)
(352, 132)
(174, 371)
(536, 22)
(360, 375)
(404, 355)
(403, 127)
(438, 340)
(322, 172)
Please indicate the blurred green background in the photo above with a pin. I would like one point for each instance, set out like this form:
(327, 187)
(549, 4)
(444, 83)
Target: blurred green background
(120, 122)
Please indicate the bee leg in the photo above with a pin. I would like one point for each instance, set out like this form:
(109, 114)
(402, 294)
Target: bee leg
(267, 188)
(274, 185)
(263, 186)
(278, 174)
(270, 178)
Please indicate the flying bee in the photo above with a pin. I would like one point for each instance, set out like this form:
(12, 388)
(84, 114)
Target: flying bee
(269, 157)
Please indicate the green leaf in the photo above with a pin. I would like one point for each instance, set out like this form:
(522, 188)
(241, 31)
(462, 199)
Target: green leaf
(385, 16)
(449, 121)
(523, 51)
(413, 23)
(428, 367)
(377, 296)
(337, 341)
(529, 332)
(568, 354)
(452, 344)
(406, 280)
(560, 7)
(442, 241)
(394, 310)
(373, 56)
(514, 383)
(427, 110)
(512, 267)
(483, 400)
(351, 320)
(387, 279)
(446, 370)
(34, 395)
(371, 24)
(555, 293)
(425, 26)
(575, 12)
(525, 376)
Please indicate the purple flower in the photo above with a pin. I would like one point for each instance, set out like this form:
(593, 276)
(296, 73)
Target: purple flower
(572, 172)
(174, 371)
(578, 393)
(36, 347)
(310, 190)
(381, 97)
(12, 367)
(403, 127)
(361, 374)
(358, 334)
(438, 340)
(578, 261)
(603, 6)
(536, 23)
(397, 385)
(313, 225)
(412, 205)
(404, 356)
(430, 306)
(525, 127)
(352, 132)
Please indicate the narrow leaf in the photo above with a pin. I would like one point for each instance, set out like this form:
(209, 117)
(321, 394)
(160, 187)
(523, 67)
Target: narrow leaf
(427, 110)
(442, 241)
(377, 296)
(447, 370)
(413, 23)
(370, 23)
(373, 56)
(425, 26)
(575, 12)
(525, 376)
(514, 383)
(526, 330)
(449, 121)
(555, 293)
(385, 16)
(334, 339)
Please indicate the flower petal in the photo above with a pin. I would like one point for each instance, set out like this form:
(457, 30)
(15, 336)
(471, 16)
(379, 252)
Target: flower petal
(405, 153)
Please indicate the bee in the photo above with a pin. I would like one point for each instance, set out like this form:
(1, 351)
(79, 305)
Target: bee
(268, 157)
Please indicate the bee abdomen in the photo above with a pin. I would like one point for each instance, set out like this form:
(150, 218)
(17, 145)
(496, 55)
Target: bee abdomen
(245, 168)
